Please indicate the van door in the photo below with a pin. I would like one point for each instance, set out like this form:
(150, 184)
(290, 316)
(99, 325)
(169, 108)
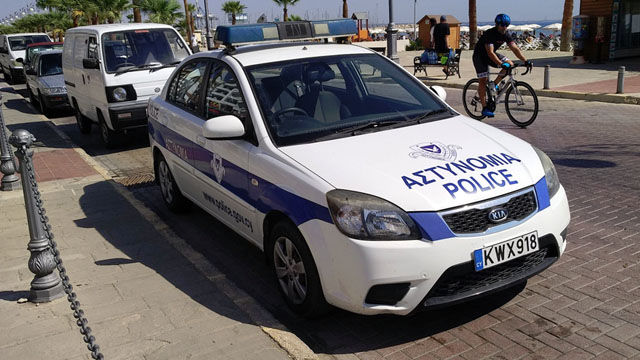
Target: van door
(223, 165)
(68, 70)
(93, 80)
(78, 78)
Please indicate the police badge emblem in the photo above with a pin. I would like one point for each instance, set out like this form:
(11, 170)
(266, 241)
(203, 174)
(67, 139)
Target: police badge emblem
(218, 169)
(435, 150)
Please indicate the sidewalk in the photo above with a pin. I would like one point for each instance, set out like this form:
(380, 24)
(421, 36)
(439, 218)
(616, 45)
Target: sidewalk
(145, 292)
(594, 82)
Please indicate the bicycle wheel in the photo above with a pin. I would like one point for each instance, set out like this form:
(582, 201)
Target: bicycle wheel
(471, 100)
(521, 103)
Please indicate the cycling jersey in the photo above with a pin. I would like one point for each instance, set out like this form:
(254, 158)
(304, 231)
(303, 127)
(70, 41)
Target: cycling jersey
(491, 36)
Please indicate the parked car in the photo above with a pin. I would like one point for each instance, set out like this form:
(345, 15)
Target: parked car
(364, 189)
(12, 52)
(111, 71)
(35, 48)
(46, 82)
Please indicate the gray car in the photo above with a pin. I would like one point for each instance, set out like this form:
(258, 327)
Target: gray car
(46, 82)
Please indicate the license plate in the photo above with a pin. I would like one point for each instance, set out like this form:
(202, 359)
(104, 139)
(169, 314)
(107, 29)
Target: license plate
(502, 252)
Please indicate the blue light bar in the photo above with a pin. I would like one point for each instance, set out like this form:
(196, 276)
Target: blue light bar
(290, 30)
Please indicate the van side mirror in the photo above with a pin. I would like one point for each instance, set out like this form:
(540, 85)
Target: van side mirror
(90, 63)
(20, 60)
(223, 127)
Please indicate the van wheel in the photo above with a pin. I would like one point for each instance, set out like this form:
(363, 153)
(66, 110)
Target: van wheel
(171, 194)
(107, 135)
(83, 122)
(295, 271)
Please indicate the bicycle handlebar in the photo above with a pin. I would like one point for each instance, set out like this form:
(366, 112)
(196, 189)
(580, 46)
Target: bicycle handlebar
(529, 68)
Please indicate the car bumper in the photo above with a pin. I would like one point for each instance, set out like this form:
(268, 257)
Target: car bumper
(57, 101)
(422, 274)
(128, 116)
(17, 74)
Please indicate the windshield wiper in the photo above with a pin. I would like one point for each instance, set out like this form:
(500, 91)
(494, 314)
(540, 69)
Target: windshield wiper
(136, 67)
(419, 119)
(173, 63)
(355, 130)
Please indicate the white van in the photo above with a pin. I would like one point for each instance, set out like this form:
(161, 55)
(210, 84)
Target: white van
(111, 70)
(12, 48)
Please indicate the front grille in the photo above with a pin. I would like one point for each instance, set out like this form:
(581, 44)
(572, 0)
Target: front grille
(461, 282)
(477, 220)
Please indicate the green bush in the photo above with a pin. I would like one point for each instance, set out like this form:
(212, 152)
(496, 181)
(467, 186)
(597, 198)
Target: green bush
(414, 45)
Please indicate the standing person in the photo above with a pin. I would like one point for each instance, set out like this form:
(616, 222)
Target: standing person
(194, 43)
(484, 55)
(441, 37)
(432, 25)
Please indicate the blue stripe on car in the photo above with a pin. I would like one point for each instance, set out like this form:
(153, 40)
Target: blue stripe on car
(236, 180)
(542, 194)
(432, 225)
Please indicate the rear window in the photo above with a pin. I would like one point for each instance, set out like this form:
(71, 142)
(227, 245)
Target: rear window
(21, 42)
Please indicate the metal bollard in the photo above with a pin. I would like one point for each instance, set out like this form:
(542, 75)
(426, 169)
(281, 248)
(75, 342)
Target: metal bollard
(46, 285)
(7, 165)
(546, 76)
(620, 89)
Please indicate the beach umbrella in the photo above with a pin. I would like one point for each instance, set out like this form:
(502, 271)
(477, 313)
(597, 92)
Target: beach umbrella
(485, 27)
(533, 26)
(464, 28)
(554, 27)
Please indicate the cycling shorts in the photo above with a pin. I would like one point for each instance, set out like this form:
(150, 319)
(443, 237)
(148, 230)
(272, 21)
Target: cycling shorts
(482, 63)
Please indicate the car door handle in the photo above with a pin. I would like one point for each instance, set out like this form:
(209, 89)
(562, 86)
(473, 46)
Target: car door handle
(201, 140)
(83, 80)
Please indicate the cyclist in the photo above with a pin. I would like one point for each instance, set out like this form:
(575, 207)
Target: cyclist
(484, 55)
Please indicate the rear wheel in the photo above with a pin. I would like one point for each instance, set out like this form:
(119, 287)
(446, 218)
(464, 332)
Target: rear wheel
(171, 194)
(521, 103)
(471, 99)
(295, 271)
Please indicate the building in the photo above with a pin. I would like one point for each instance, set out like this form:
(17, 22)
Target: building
(612, 29)
(425, 33)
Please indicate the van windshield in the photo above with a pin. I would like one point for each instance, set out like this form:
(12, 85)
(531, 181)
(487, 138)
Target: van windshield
(138, 49)
(21, 42)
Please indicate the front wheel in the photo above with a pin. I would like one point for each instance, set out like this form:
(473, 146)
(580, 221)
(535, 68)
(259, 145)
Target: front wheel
(107, 135)
(521, 104)
(295, 271)
(471, 100)
(171, 194)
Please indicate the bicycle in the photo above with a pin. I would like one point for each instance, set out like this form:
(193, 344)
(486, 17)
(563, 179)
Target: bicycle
(520, 100)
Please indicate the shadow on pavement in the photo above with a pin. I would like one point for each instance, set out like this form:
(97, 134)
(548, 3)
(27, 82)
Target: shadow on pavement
(13, 296)
(41, 130)
(339, 332)
(126, 230)
(563, 62)
(92, 143)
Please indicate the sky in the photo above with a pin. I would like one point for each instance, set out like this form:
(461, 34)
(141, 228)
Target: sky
(519, 10)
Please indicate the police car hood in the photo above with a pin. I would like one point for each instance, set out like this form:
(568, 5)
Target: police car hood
(425, 167)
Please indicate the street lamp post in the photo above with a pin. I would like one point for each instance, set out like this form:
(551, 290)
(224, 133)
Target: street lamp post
(392, 36)
(206, 16)
(414, 20)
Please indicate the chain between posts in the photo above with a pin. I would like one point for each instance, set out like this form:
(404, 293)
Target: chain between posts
(78, 313)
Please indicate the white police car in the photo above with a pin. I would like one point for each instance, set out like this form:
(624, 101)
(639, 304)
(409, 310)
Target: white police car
(365, 190)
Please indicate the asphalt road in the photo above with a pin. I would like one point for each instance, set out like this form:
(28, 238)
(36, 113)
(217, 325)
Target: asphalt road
(586, 305)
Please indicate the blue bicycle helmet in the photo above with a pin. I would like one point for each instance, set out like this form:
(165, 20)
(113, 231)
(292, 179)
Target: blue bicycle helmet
(503, 19)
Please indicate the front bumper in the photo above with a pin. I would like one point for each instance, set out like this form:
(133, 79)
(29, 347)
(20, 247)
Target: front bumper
(434, 270)
(57, 101)
(128, 116)
(17, 74)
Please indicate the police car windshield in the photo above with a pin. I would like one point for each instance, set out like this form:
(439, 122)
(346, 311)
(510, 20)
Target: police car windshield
(132, 50)
(318, 99)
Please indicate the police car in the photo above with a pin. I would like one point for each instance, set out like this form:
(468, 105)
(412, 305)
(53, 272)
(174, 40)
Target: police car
(365, 190)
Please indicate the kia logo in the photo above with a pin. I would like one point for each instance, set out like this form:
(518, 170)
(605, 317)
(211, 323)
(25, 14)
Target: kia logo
(498, 215)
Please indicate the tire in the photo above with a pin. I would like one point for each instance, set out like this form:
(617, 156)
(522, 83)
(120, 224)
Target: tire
(42, 105)
(32, 98)
(171, 194)
(471, 100)
(521, 114)
(7, 77)
(83, 122)
(295, 272)
(107, 135)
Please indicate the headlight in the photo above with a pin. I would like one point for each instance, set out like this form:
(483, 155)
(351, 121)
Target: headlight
(119, 94)
(550, 174)
(366, 217)
(55, 91)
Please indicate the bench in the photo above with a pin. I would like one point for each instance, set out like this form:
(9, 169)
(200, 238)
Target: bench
(452, 66)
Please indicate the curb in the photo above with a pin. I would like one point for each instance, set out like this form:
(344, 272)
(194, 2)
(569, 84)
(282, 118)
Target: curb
(277, 331)
(601, 97)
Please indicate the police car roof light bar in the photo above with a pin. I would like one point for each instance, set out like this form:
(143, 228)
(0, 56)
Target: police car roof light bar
(290, 30)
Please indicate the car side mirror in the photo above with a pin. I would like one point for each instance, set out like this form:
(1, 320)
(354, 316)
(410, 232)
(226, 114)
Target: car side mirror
(20, 60)
(223, 127)
(439, 90)
(30, 71)
(90, 63)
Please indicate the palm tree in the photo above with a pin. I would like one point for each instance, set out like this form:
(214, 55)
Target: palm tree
(345, 9)
(234, 8)
(284, 4)
(111, 10)
(161, 11)
(473, 24)
(294, 18)
(135, 5)
(565, 36)
(59, 22)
